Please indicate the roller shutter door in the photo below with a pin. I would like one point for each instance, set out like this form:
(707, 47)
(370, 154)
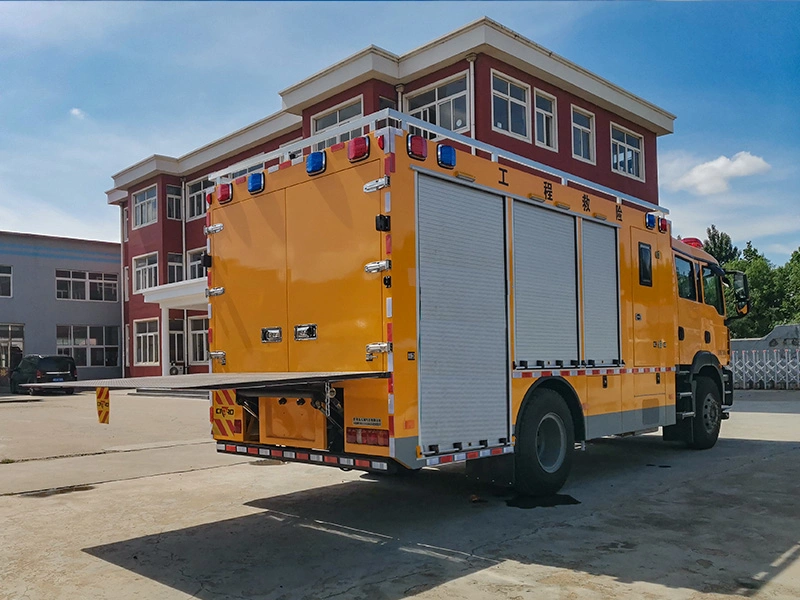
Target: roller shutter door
(545, 286)
(600, 293)
(463, 343)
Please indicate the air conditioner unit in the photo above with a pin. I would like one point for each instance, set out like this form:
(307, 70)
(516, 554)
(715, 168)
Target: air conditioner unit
(176, 368)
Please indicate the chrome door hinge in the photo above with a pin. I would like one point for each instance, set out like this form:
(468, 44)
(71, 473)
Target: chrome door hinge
(377, 184)
(377, 348)
(216, 228)
(218, 355)
(217, 291)
(378, 266)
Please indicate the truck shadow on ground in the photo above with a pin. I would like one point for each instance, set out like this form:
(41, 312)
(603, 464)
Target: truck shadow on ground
(721, 522)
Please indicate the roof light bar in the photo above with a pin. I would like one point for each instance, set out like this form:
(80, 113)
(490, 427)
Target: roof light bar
(316, 163)
(446, 156)
(693, 242)
(255, 183)
(417, 147)
(358, 149)
(224, 193)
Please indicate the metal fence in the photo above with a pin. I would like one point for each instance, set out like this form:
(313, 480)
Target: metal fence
(773, 369)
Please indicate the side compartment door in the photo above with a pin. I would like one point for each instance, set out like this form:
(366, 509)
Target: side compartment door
(463, 317)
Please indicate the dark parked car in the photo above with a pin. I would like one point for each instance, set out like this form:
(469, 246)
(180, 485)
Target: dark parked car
(35, 368)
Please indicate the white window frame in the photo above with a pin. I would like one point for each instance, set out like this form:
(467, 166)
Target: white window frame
(467, 94)
(177, 342)
(314, 118)
(10, 277)
(536, 111)
(592, 126)
(192, 264)
(528, 122)
(144, 337)
(144, 205)
(203, 335)
(640, 151)
(125, 223)
(127, 343)
(136, 288)
(174, 203)
(190, 200)
(127, 283)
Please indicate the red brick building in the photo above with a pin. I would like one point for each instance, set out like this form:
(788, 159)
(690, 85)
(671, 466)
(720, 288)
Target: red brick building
(483, 81)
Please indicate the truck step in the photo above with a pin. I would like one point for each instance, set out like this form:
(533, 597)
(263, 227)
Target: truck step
(686, 414)
(684, 394)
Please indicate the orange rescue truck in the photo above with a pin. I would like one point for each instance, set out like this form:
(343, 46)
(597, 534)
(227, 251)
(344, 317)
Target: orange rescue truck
(414, 297)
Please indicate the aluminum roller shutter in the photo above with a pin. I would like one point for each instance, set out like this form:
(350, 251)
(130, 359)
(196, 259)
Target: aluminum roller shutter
(463, 344)
(600, 293)
(545, 286)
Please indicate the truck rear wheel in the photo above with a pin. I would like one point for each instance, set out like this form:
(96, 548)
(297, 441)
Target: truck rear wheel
(545, 441)
(708, 414)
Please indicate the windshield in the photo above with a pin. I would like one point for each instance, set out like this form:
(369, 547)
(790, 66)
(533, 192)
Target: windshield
(60, 364)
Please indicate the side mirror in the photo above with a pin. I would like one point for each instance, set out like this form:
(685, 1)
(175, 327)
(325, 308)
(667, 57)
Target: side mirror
(741, 293)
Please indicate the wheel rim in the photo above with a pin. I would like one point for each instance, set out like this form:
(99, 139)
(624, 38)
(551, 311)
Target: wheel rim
(711, 413)
(551, 442)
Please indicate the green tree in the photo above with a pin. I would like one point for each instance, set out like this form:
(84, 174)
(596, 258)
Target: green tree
(790, 274)
(768, 289)
(719, 245)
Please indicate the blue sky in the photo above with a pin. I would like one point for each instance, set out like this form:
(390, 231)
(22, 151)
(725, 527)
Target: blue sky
(90, 88)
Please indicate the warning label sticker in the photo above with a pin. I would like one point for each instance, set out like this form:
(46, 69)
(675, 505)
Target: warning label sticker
(367, 421)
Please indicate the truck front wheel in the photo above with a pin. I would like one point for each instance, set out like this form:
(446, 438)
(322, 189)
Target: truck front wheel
(707, 414)
(545, 440)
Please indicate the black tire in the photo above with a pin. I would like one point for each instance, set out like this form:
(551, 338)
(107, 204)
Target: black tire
(708, 414)
(13, 386)
(69, 391)
(545, 441)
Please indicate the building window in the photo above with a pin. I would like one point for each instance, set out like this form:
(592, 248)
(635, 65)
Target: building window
(684, 271)
(145, 207)
(546, 134)
(146, 342)
(174, 202)
(196, 202)
(444, 105)
(145, 272)
(510, 106)
(80, 285)
(127, 345)
(386, 103)
(293, 154)
(195, 261)
(626, 152)
(583, 135)
(125, 224)
(176, 342)
(174, 267)
(198, 328)
(127, 283)
(89, 345)
(335, 118)
(5, 281)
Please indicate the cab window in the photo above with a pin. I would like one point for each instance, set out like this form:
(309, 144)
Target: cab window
(645, 265)
(684, 270)
(712, 293)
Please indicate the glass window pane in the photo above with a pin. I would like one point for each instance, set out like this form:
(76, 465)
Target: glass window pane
(685, 275)
(500, 106)
(460, 112)
(580, 119)
(348, 112)
(445, 116)
(112, 357)
(78, 290)
(79, 354)
(112, 336)
(95, 290)
(452, 88)
(518, 92)
(62, 273)
(62, 288)
(499, 85)
(96, 336)
(98, 357)
(540, 132)
(421, 100)
(518, 123)
(544, 103)
(633, 141)
(617, 134)
(645, 265)
(62, 335)
(325, 122)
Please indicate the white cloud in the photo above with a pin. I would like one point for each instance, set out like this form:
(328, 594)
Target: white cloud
(78, 113)
(712, 177)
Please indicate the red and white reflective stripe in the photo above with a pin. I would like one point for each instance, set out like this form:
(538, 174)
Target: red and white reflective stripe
(579, 372)
(465, 456)
(304, 456)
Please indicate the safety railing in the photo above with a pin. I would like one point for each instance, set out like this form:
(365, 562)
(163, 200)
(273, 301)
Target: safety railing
(392, 118)
(775, 369)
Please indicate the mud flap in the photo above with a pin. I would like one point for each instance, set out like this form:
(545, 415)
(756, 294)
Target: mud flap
(497, 470)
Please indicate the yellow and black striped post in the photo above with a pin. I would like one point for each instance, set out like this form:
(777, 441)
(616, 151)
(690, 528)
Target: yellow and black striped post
(103, 404)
